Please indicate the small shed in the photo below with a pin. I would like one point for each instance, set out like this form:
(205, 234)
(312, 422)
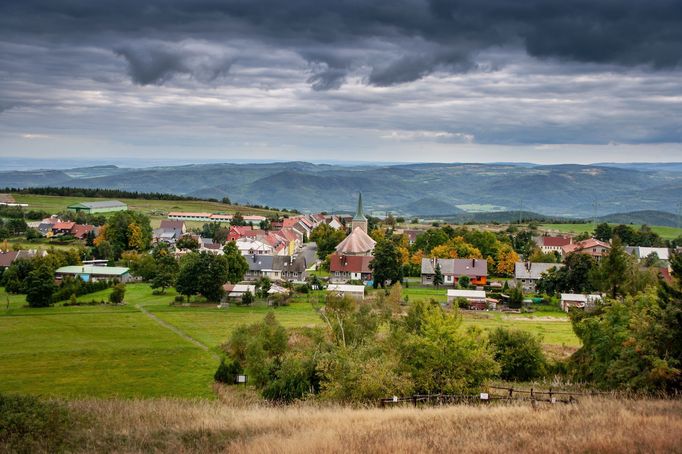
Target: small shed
(577, 300)
(343, 290)
(475, 298)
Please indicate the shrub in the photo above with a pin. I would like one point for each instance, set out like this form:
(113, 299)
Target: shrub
(118, 293)
(518, 353)
(179, 298)
(227, 370)
(29, 425)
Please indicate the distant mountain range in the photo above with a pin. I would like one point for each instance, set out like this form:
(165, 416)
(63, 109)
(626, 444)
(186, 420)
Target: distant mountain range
(429, 190)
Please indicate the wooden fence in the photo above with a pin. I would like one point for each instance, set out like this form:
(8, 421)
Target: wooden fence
(495, 393)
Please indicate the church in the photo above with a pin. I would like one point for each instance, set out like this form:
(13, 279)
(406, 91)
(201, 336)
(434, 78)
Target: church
(350, 261)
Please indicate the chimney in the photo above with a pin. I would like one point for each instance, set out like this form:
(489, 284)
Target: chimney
(473, 263)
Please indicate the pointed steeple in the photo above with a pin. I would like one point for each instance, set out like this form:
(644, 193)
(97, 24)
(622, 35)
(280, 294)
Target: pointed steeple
(359, 215)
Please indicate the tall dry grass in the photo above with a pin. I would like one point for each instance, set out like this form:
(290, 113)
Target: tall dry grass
(593, 425)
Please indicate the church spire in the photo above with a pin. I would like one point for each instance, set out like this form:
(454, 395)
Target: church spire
(359, 220)
(359, 215)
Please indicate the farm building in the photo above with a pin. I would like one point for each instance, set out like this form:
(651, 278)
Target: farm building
(475, 298)
(354, 291)
(107, 206)
(94, 273)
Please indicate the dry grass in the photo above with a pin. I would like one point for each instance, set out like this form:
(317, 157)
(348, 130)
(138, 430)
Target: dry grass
(593, 425)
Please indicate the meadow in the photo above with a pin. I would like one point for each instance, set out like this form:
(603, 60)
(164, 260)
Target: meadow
(156, 209)
(150, 348)
(595, 425)
(667, 233)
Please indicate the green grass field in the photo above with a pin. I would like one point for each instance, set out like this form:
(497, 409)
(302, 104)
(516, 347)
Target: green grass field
(152, 208)
(108, 351)
(667, 233)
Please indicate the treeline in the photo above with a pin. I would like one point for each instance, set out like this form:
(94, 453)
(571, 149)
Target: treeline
(102, 193)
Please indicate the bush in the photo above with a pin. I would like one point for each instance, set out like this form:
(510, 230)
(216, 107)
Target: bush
(518, 353)
(179, 299)
(117, 294)
(227, 370)
(31, 425)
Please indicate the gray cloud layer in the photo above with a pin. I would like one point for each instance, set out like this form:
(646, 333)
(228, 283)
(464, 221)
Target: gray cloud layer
(307, 72)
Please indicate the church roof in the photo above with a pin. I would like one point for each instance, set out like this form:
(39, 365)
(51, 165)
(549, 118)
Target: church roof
(358, 242)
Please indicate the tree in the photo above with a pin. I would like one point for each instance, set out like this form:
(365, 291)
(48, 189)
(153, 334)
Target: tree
(515, 296)
(611, 273)
(187, 242)
(574, 277)
(32, 234)
(247, 298)
(226, 200)
(16, 226)
(238, 219)
(40, 286)
(387, 264)
(263, 286)
(464, 282)
(166, 272)
(506, 260)
(518, 353)
(327, 238)
(202, 273)
(237, 266)
(438, 276)
(117, 293)
(126, 230)
(430, 239)
(603, 232)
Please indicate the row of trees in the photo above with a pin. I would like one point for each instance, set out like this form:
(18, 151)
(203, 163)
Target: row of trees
(366, 352)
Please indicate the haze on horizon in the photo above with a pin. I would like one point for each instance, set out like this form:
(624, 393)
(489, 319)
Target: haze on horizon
(384, 81)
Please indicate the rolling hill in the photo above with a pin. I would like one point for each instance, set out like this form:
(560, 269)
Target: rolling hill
(576, 191)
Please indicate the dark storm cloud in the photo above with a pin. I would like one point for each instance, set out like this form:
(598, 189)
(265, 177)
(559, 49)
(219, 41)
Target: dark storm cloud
(398, 40)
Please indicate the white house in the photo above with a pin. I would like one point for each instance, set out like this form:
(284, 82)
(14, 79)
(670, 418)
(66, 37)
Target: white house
(251, 246)
(475, 298)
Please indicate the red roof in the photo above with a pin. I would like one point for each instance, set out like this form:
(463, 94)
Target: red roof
(665, 274)
(81, 231)
(6, 258)
(350, 263)
(63, 225)
(556, 241)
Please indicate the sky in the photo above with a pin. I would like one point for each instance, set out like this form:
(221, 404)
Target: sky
(542, 81)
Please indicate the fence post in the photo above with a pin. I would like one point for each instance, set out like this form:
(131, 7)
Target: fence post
(414, 400)
(531, 394)
(511, 392)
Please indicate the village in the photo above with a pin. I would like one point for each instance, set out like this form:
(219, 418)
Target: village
(473, 270)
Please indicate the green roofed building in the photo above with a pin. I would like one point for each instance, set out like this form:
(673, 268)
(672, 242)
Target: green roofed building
(99, 207)
(94, 273)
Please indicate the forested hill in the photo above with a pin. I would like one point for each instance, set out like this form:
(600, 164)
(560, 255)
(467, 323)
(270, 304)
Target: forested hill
(412, 189)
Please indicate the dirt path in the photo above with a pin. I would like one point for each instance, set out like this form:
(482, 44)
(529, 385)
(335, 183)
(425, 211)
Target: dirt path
(178, 331)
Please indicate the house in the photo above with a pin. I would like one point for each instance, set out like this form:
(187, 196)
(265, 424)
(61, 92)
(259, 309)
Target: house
(549, 244)
(475, 298)
(250, 246)
(578, 301)
(9, 257)
(527, 274)
(412, 235)
(208, 245)
(261, 266)
(107, 206)
(592, 247)
(334, 223)
(341, 290)
(344, 268)
(292, 269)
(169, 231)
(81, 231)
(453, 269)
(62, 228)
(45, 226)
(94, 273)
(642, 252)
